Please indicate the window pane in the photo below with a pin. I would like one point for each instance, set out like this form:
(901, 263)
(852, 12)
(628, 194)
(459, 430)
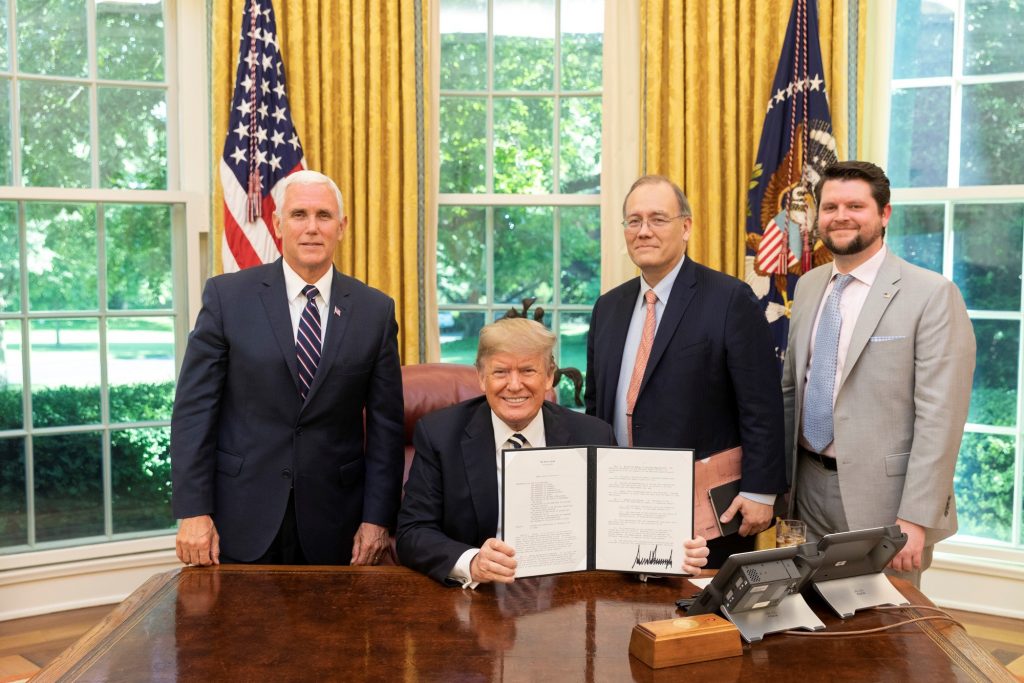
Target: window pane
(133, 138)
(522, 144)
(6, 168)
(582, 23)
(523, 254)
(65, 366)
(140, 368)
(140, 473)
(463, 123)
(130, 40)
(924, 44)
(62, 270)
(11, 376)
(919, 137)
(992, 143)
(52, 37)
(3, 36)
(581, 254)
(461, 255)
(13, 503)
(68, 478)
(138, 253)
(524, 44)
(10, 288)
(993, 36)
(915, 233)
(460, 331)
(984, 486)
(580, 150)
(987, 254)
(994, 393)
(572, 338)
(464, 44)
(55, 148)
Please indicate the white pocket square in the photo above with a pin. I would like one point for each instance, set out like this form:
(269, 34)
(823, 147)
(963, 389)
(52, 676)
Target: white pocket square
(894, 337)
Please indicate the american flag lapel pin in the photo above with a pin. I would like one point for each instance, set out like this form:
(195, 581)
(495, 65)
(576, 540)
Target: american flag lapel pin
(337, 312)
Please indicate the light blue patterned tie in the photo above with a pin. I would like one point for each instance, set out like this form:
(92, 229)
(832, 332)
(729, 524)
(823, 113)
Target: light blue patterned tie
(821, 385)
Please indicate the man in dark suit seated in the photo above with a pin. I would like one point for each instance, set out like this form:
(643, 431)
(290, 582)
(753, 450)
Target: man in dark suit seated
(448, 522)
(271, 458)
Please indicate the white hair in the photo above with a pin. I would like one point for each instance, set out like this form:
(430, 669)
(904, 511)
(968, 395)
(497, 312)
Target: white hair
(305, 177)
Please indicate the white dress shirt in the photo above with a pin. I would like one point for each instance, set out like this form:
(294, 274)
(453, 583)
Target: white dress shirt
(850, 305)
(293, 284)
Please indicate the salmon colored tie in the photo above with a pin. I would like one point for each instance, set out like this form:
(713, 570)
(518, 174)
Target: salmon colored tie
(642, 354)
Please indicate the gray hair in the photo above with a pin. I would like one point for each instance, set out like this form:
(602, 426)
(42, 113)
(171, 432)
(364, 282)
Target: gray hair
(305, 177)
(516, 335)
(652, 179)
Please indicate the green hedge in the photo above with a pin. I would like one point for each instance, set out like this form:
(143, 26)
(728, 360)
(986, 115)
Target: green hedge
(68, 478)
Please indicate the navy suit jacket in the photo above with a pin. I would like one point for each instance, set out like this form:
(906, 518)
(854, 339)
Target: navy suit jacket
(451, 496)
(712, 380)
(242, 437)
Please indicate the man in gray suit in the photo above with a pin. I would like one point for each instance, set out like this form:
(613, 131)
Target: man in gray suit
(877, 379)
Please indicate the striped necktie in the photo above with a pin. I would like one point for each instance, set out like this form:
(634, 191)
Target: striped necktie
(307, 342)
(517, 441)
(643, 354)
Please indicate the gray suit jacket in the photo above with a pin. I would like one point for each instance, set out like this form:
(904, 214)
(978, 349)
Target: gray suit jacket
(902, 400)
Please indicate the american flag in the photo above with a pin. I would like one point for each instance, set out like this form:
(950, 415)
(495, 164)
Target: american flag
(262, 146)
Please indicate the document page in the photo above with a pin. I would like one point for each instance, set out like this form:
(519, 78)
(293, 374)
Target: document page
(644, 509)
(545, 508)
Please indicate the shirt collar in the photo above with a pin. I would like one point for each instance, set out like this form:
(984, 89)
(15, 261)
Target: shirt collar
(664, 287)
(534, 432)
(867, 271)
(293, 283)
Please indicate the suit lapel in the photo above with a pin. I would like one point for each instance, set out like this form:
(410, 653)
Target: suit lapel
(812, 290)
(339, 313)
(621, 315)
(679, 300)
(275, 303)
(882, 292)
(555, 433)
(481, 468)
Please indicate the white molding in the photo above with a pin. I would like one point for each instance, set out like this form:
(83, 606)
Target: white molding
(32, 591)
(81, 553)
(966, 579)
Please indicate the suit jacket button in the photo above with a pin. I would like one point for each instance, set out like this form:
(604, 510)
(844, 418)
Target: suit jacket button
(298, 431)
(286, 473)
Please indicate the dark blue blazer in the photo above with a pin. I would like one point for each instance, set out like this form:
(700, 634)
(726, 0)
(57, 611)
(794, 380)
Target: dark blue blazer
(712, 380)
(451, 496)
(241, 435)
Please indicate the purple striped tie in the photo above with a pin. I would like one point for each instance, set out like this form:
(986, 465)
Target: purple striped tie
(307, 342)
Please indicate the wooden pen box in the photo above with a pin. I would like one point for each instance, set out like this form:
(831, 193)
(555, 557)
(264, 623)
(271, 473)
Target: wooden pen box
(685, 640)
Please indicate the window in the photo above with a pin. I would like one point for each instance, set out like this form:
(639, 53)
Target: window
(520, 169)
(956, 161)
(91, 290)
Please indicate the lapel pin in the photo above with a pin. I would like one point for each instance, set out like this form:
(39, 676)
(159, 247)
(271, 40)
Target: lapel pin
(887, 295)
(337, 312)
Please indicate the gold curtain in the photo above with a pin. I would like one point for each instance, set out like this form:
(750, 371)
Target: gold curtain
(352, 70)
(707, 69)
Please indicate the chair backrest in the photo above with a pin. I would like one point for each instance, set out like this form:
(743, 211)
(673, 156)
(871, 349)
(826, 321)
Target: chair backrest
(430, 386)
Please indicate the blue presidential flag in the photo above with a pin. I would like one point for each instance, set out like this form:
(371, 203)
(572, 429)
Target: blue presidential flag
(796, 145)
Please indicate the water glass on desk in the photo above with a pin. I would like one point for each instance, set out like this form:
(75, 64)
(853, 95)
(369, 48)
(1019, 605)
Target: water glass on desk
(789, 532)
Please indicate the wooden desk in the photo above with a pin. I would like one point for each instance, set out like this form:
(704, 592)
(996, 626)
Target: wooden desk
(391, 624)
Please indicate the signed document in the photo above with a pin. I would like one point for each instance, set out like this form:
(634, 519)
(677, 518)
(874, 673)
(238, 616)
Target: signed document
(620, 509)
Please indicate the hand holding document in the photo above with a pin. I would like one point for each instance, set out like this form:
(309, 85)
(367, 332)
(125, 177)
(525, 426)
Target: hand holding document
(620, 509)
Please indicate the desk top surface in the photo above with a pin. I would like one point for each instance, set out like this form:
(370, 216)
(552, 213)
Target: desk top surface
(389, 623)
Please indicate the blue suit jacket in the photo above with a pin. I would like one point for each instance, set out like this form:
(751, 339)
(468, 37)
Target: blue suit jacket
(712, 380)
(241, 436)
(451, 497)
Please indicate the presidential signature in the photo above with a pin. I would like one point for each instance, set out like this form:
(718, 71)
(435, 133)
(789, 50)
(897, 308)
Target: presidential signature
(652, 559)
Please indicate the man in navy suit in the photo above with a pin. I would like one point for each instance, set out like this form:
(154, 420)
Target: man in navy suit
(271, 457)
(710, 379)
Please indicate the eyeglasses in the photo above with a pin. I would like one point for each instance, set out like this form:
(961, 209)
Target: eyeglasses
(634, 223)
